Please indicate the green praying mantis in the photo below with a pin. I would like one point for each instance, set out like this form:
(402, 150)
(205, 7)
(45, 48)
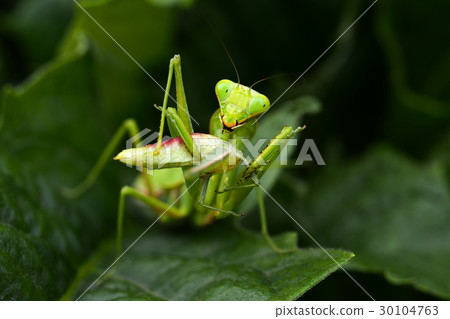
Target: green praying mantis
(195, 176)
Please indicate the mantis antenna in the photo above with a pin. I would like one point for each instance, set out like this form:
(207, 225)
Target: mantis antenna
(271, 77)
(224, 47)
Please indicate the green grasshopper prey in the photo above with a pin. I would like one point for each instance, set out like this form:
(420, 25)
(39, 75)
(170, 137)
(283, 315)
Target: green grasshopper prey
(205, 165)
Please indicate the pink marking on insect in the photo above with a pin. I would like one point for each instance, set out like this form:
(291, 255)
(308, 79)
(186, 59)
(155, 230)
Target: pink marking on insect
(175, 140)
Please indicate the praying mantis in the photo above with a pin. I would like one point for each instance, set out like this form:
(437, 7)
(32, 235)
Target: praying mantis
(195, 176)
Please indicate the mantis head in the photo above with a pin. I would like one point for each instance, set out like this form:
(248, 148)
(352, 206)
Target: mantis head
(239, 103)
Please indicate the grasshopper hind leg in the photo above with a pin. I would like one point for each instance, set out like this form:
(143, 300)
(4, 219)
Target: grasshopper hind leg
(166, 208)
(128, 126)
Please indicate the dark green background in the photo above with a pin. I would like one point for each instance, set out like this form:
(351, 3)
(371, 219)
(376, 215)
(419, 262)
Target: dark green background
(383, 130)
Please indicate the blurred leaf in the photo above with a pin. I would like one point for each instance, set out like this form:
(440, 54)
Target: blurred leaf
(51, 133)
(441, 155)
(3, 64)
(217, 263)
(43, 235)
(407, 41)
(171, 3)
(36, 27)
(419, 103)
(394, 214)
(145, 31)
(52, 129)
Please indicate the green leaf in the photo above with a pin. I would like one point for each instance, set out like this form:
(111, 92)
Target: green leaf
(144, 31)
(37, 27)
(400, 34)
(170, 3)
(217, 263)
(417, 69)
(29, 268)
(394, 214)
(44, 236)
(51, 131)
(441, 154)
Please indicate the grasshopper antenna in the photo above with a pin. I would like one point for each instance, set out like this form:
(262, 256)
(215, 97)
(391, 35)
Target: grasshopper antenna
(224, 47)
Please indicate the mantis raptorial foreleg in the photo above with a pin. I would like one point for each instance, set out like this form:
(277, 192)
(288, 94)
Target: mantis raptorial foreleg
(249, 178)
(255, 184)
(203, 196)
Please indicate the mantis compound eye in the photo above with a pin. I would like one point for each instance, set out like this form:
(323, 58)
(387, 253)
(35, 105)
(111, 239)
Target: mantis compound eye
(258, 104)
(223, 89)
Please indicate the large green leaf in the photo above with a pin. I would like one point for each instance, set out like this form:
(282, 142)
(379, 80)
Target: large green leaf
(51, 131)
(393, 213)
(43, 234)
(217, 263)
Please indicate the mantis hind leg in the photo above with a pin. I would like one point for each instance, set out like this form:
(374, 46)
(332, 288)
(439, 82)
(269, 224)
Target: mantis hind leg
(128, 126)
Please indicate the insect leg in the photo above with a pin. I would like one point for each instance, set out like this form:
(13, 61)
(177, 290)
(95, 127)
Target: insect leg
(257, 168)
(182, 107)
(204, 195)
(153, 202)
(128, 126)
(164, 107)
(264, 229)
(253, 176)
(179, 121)
(183, 121)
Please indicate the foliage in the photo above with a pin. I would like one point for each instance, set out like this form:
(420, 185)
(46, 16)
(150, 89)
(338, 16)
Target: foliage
(383, 133)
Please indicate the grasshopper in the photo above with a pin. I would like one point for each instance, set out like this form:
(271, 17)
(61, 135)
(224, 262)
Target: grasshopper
(204, 164)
